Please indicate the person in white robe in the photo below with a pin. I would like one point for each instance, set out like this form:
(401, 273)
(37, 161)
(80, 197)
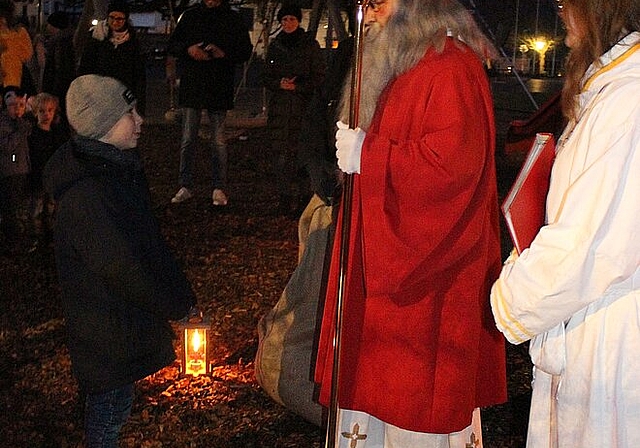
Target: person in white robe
(575, 292)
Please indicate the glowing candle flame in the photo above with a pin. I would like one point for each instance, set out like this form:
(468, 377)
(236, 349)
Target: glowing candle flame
(194, 353)
(196, 341)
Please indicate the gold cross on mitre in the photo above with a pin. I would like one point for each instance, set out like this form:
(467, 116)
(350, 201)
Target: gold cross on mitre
(354, 436)
(473, 441)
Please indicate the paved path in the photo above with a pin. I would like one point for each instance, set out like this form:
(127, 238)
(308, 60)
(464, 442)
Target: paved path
(511, 102)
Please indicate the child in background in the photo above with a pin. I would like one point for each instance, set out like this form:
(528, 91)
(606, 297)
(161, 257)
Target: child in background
(47, 135)
(14, 166)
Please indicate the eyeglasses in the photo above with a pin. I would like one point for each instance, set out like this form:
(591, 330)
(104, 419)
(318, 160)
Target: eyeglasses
(376, 6)
(117, 18)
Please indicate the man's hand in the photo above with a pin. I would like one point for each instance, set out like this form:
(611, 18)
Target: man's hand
(215, 51)
(349, 145)
(288, 83)
(198, 53)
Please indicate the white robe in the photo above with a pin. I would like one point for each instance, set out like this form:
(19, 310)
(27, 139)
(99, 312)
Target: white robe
(360, 430)
(576, 291)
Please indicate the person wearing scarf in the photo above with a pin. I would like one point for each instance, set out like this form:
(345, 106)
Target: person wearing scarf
(113, 50)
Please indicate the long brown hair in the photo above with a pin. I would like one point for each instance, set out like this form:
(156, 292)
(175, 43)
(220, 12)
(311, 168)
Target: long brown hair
(606, 22)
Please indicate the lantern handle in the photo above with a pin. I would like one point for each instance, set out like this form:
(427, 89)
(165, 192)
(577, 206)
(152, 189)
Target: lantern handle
(194, 315)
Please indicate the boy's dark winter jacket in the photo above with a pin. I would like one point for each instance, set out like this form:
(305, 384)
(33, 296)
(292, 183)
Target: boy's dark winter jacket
(120, 283)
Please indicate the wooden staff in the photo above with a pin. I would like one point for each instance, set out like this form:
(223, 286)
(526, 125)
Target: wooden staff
(347, 191)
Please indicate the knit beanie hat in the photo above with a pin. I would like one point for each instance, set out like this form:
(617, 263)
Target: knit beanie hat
(120, 6)
(290, 10)
(96, 103)
(58, 20)
(12, 94)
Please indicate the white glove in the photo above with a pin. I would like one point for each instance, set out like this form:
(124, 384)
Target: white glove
(349, 145)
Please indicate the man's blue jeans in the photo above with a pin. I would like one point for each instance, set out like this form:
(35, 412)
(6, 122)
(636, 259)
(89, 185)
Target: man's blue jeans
(190, 127)
(105, 414)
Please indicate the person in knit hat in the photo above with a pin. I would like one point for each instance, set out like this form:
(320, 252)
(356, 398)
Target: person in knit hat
(289, 10)
(114, 50)
(120, 284)
(14, 167)
(294, 70)
(119, 6)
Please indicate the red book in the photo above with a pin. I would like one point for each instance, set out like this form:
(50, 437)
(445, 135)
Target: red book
(524, 208)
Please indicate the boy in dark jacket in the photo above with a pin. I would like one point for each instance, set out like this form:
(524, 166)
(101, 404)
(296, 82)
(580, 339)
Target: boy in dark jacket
(120, 283)
(48, 134)
(14, 166)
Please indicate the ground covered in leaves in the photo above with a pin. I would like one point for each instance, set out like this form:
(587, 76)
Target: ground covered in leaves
(238, 260)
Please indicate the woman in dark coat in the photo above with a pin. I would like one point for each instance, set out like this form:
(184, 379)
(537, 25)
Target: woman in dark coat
(295, 68)
(113, 50)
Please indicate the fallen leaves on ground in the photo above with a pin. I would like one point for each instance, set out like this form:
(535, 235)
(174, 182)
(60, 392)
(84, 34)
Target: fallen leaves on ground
(238, 259)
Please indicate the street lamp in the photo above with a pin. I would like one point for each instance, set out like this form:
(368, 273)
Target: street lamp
(540, 45)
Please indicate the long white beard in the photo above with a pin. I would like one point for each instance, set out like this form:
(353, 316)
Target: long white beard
(374, 79)
(397, 47)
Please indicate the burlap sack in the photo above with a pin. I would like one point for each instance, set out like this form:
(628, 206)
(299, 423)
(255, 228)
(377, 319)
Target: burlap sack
(287, 334)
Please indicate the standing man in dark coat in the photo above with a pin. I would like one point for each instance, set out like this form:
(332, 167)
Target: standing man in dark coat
(120, 284)
(208, 42)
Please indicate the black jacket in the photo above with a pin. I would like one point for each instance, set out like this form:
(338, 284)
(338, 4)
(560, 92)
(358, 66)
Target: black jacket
(296, 55)
(59, 66)
(124, 62)
(317, 150)
(42, 145)
(120, 283)
(209, 84)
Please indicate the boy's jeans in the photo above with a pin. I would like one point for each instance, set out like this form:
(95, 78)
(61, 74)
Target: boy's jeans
(105, 414)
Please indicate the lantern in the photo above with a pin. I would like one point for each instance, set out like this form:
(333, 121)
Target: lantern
(195, 346)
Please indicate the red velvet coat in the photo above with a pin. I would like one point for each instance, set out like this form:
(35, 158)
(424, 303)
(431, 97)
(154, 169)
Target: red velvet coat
(419, 346)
